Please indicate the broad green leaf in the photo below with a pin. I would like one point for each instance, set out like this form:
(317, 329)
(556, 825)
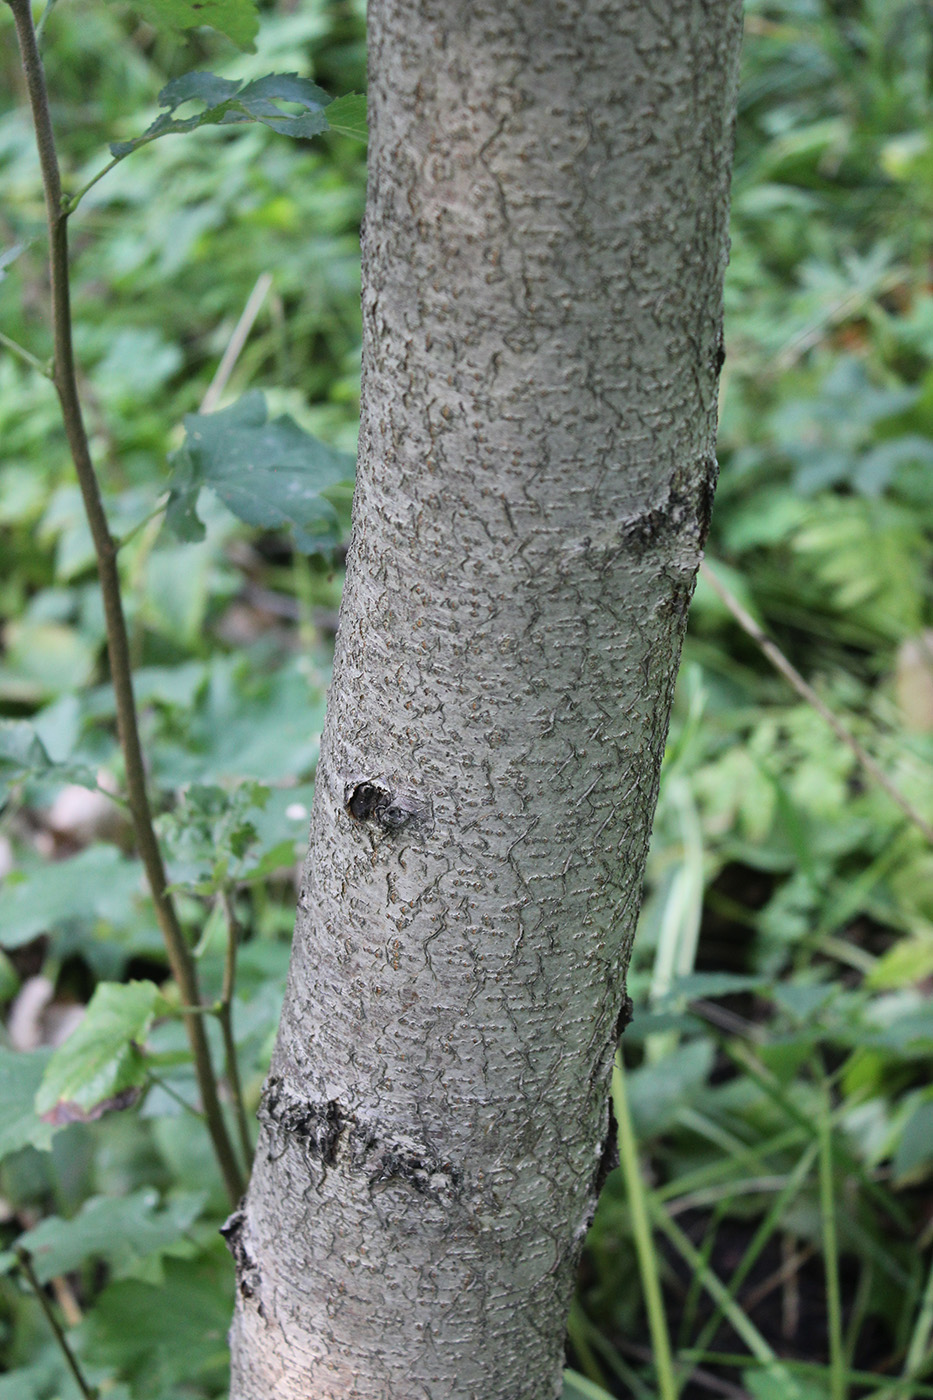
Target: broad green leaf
(119, 1231)
(238, 19)
(41, 659)
(270, 474)
(227, 102)
(904, 964)
(99, 883)
(347, 115)
(167, 1334)
(245, 725)
(101, 1065)
(21, 1074)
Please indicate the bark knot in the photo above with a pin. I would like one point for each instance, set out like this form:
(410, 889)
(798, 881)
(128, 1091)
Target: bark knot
(372, 801)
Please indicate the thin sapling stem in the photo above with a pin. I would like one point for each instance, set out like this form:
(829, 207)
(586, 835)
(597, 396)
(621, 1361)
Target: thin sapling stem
(105, 549)
(90, 1392)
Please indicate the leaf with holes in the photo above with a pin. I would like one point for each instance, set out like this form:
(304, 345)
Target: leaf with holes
(270, 474)
(101, 1066)
(229, 102)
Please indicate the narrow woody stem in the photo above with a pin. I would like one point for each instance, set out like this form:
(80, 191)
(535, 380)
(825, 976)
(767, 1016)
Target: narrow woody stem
(24, 1259)
(63, 377)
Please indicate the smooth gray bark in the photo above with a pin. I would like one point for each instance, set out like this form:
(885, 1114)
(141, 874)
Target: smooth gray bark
(543, 259)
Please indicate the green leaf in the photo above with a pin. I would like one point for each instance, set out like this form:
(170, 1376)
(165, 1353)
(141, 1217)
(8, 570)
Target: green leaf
(227, 102)
(770, 1385)
(167, 1334)
(44, 1378)
(237, 19)
(210, 832)
(101, 1065)
(21, 1073)
(577, 1387)
(120, 1232)
(915, 1149)
(270, 474)
(99, 883)
(23, 755)
(8, 255)
(347, 115)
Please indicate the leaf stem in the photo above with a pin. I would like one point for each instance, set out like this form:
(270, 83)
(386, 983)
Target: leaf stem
(16, 349)
(72, 201)
(166, 1088)
(24, 1259)
(64, 379)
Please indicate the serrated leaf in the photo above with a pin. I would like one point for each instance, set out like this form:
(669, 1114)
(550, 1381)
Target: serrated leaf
(228, 102)
(21, 1073)
(99, 883)
(101, 1065)
(270, 474)
(238, 19)
(347, 115)
(119, 1232)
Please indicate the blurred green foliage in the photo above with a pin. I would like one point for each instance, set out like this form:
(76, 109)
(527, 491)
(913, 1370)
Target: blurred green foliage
(781, 1050)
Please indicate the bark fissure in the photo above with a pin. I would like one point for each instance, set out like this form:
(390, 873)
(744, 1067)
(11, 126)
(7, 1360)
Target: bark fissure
(543, 254)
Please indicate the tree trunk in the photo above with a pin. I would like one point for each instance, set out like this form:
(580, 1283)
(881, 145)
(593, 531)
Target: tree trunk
(543, 258)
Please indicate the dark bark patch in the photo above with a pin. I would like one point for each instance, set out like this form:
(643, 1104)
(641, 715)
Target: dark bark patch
(386, 1160)
(380, 1156)
(609, 1157)
(705, 494)
(719, 356)
(370, 801)
(626, 1012)
(317, 1126)
(247, 1269)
